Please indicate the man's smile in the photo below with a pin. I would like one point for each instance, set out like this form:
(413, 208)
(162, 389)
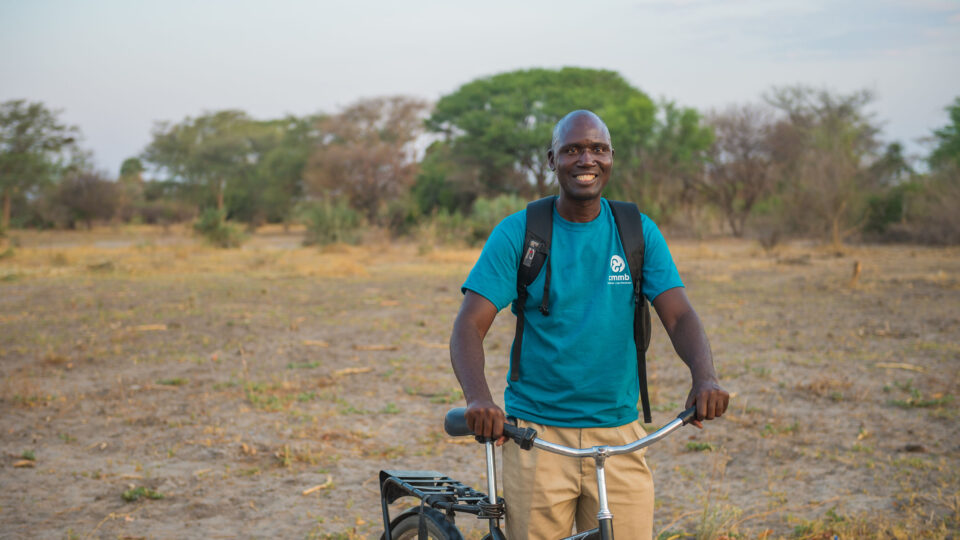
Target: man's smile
(585, 178)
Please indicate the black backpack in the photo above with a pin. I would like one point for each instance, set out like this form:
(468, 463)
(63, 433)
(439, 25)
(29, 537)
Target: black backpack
(536, 249)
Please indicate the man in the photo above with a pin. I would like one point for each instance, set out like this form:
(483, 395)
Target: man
(578, 385)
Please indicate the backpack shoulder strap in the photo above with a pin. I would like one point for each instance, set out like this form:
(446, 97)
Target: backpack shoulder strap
(630, 228)
(536, 249)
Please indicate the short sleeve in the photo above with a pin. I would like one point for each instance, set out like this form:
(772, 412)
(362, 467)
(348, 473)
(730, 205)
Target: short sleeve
(494, 276)
(659, 271)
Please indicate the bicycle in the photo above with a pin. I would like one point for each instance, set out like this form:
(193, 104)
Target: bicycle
(442, 497)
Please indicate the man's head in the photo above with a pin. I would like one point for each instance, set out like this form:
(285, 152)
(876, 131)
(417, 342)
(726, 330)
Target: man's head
(581, 154)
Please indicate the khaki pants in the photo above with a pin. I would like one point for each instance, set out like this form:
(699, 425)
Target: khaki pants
(547, 493)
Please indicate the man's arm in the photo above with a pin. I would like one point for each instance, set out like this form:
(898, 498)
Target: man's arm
(476, 315)
(690, 341)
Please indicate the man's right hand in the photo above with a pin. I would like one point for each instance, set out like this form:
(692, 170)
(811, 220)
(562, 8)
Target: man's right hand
(486, 419)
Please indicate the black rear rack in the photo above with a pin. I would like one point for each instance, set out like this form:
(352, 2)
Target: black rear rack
(436, 490)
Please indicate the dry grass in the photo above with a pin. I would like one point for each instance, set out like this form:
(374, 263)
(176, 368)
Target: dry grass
(235, 381)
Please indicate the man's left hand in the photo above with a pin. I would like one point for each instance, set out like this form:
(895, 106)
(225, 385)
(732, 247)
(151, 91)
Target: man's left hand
(711, 401)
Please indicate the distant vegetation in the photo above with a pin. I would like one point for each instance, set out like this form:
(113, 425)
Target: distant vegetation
(799, 162)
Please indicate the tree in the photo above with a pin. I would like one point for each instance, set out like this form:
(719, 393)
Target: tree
(32, 146)
(367, 155)
(280, 171)
(825, 146)
(741, 170)
(671, 162)
(132, 168)
(210, 153)
(499, 127)
(947, 152)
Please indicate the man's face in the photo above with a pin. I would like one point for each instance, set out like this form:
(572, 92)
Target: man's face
(582, 157)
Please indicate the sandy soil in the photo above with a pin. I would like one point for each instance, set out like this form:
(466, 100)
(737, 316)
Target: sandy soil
(231, 383)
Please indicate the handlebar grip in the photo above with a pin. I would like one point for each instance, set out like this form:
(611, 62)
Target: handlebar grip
(455, 424)
(688, 415)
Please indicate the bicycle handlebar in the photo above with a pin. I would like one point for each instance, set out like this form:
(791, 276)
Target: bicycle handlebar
(455, 424)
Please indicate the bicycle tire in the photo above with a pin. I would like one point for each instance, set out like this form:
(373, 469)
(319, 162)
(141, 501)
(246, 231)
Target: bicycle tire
(406, 526)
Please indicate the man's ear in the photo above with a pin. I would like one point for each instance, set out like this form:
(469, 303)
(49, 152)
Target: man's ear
(551, 164)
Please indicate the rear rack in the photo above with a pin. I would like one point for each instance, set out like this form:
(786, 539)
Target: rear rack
(437, 490)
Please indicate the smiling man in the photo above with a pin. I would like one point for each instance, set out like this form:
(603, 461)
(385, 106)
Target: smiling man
(579, 382)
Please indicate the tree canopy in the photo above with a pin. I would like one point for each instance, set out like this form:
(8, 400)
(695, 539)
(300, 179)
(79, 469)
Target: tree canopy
(499, 127)
(32, 145)
(947, 152)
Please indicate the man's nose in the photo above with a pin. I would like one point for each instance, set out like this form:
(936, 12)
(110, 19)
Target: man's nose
(586, 158)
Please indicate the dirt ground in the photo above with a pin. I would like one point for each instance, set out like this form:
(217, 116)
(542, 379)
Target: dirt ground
(153, 387)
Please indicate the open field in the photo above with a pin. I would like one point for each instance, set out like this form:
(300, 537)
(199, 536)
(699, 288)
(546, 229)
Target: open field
(153, 387)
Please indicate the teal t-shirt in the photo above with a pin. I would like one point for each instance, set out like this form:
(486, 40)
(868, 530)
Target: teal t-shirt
(579, 363)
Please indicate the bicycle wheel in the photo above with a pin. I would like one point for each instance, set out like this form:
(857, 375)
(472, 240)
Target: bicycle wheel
(406, 526)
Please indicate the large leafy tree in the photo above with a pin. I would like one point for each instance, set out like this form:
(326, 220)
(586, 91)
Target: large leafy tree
(210, 153)
(280, 171)
(248, 169)
(498, 128)
(33, 143)
(367, 153)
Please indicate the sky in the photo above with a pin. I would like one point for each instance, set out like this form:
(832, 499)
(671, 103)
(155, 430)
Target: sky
(116, 67)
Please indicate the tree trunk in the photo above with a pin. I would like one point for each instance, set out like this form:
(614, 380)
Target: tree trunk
(5, 219)
(220, 196)
(835, 233)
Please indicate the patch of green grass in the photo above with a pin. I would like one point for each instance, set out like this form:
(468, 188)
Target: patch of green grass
(916, 402)
(29, 454)
(451, 396)
(303, 397)
(174, 381)
(303, 365)
(66, 437)
(770, 429)
(696, 446)
(390, 408)
(137, 493)
(223, 385)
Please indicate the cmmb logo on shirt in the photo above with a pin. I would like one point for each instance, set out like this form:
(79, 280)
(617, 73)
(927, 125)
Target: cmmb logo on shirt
(617, 267)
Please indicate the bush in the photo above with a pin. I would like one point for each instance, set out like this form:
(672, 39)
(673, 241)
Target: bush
(931, 215)
(487, 213)
(400, 216)
(165, 212)
(889, 208)
(212, 225)
(329, 222)
(442, 228)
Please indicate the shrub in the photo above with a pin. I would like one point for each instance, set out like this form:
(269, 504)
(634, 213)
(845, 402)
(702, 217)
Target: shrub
(931, 215)
(442, 227)
(488, 212)
(213, 226)
(329, 222)
(400, 216)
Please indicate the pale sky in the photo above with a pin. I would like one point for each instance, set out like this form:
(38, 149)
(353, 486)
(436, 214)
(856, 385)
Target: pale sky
(114, 67)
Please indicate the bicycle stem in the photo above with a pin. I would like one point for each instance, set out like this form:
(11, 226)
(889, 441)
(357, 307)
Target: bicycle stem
(491, 473)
